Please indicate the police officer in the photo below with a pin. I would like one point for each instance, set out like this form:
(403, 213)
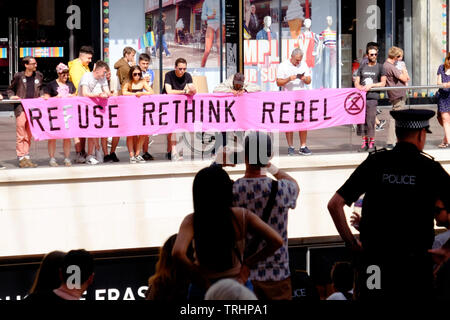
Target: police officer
(401, 187)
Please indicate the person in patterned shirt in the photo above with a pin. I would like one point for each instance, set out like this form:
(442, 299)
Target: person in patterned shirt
(271, 277)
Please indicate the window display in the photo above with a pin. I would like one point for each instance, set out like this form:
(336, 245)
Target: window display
(189, 29)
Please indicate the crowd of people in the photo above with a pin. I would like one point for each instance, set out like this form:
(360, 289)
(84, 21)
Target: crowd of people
(235, 245)
(76, 79)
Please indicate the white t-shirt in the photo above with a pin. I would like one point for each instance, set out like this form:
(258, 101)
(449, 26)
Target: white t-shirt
(287, 69)
(339, 296)
(441, 239)
(95, 86)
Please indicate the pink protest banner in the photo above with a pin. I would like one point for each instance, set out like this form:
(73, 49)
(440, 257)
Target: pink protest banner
(121, 116)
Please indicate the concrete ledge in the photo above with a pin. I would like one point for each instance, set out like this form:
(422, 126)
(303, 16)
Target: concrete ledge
(122, 206)
(183, 168)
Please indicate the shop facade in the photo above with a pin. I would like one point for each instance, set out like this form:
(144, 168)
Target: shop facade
(50, 30)
(333, 44)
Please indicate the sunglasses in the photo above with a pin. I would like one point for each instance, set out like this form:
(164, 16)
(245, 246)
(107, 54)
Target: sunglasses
(373, 54)
(182, 69)
(137, 74)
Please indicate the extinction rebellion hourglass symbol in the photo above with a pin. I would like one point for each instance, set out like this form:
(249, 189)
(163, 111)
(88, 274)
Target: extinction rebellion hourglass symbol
(354, 104)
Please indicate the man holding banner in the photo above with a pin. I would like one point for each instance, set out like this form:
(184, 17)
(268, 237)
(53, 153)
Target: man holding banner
(94, 85)
(25, 85)
(177, 81)
(294, 74)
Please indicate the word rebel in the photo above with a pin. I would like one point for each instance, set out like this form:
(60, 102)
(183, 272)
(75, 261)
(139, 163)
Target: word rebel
(297, 111)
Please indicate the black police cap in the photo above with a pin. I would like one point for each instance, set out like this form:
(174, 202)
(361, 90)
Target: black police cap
(413, 119)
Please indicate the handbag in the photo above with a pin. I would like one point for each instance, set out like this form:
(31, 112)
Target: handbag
(254, 242)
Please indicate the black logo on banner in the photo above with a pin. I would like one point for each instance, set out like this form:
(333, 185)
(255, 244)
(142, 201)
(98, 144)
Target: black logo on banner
(354, 104)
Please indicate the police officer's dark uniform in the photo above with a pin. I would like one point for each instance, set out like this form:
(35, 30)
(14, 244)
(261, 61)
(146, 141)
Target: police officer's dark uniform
(401, 187)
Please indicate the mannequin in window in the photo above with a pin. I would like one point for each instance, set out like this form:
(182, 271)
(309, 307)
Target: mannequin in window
(311, 44)
(329, 55)
(265, 33)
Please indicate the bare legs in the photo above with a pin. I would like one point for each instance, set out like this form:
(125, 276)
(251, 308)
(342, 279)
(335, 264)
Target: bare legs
(446, 124)
(302, 135)
(209, 38)
(52, 148)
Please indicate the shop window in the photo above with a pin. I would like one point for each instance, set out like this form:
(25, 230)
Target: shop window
(311, 26)
(261, 43)
(191, 30)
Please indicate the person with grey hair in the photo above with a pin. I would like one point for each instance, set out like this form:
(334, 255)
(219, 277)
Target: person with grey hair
(294, 74)
(271, 200)
(229, 289)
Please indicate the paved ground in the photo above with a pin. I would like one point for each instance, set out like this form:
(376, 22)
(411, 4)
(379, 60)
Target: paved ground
(192, 53)
(324, 141)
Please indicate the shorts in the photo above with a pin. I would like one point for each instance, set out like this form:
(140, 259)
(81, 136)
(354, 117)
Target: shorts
(214, 25)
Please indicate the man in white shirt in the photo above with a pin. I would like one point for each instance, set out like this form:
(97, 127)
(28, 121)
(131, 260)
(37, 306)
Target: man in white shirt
(294, 74)
(94, 85)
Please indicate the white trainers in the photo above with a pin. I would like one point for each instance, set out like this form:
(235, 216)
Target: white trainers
(67, 162)
(91, 160)
(80, 158)
(132, 159)
(176, 156)
(53, 162)
(140, 159)
(99, 155)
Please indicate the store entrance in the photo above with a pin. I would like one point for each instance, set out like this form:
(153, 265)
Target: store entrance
(45, 30)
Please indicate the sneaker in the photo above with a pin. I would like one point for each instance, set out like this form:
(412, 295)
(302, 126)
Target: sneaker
(113, 157)
(378, 111)
(23, 163)
(31, 164)
(147, 156)
(99, 155)
(389, 146)
(140, 159)
(168, 55)
(107, 158)
(67, 162)
(364, 146)
(175, 156)
(132, 159)
(371, 146)
(291, 151)
(304, 151)
(91, 160)
(53, 162)
(380, 126)
(80, 158)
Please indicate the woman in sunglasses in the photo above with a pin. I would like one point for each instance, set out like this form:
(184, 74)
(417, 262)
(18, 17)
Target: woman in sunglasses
(61, 87)
(136, 86)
